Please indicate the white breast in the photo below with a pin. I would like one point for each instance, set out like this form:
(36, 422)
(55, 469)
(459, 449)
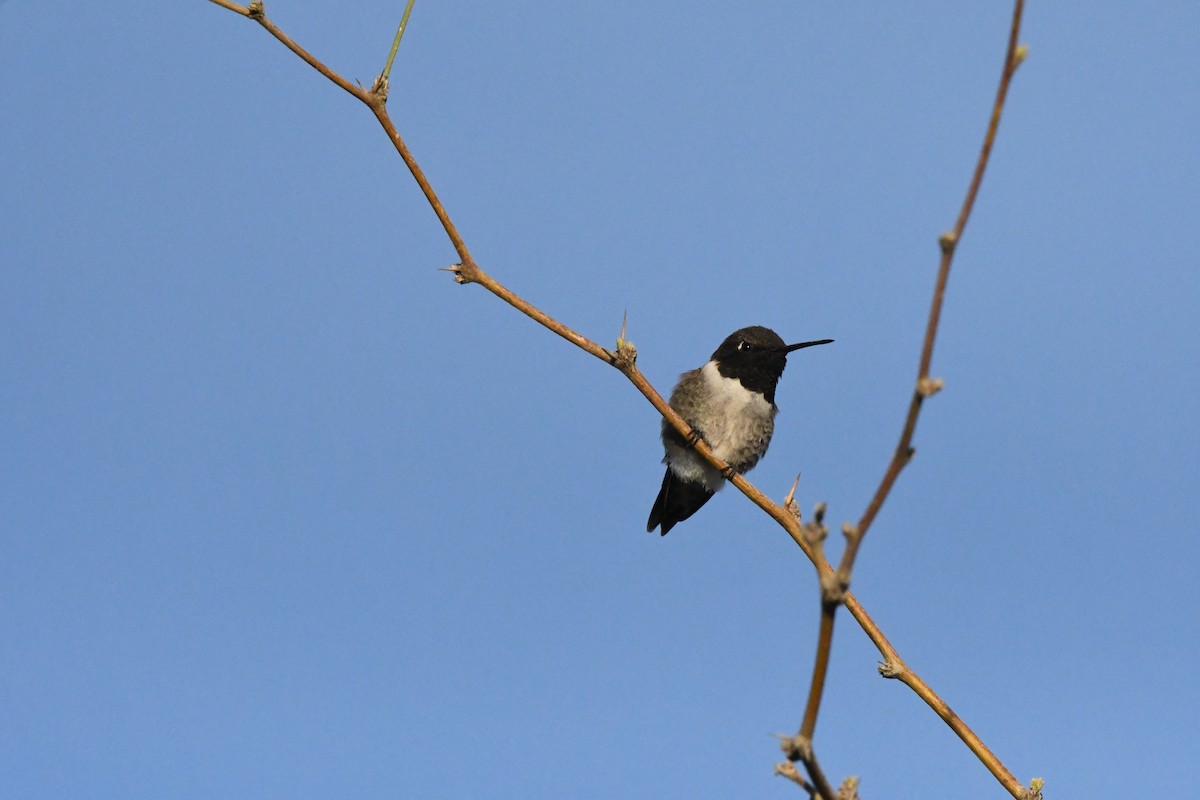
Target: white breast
(741, 418)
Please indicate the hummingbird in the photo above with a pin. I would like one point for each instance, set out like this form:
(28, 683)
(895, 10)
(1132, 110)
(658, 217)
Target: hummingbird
(730, 403)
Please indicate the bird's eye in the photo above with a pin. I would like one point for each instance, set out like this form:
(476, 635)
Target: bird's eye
(745, 346)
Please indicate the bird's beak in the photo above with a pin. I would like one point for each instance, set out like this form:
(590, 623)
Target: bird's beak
(792, 347)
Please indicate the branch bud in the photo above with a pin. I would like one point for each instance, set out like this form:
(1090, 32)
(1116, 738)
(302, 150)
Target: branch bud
(797, 748)
(626, 355)
(833, 587)
(948, 241)
(891, 669)
(1019, 56)
(380, 87)
(461, 272)
(928, 387)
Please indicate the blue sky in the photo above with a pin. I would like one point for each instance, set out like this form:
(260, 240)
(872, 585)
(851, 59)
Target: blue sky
(286, 513)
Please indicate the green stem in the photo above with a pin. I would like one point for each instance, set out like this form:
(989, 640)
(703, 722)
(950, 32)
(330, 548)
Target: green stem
(387, 68)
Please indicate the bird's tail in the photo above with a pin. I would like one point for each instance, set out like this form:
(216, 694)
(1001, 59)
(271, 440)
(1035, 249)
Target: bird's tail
(677, 500)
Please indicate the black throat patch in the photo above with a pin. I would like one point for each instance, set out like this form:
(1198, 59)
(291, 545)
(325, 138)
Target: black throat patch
(758, 375)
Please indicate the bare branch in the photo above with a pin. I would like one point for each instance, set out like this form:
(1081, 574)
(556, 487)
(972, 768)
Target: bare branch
(925, 386)
(467, 271)
(820, 669)
(834, 584)
(234, 7)
(257, 12)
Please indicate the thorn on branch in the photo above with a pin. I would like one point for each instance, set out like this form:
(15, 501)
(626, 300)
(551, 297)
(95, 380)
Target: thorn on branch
(626, 355)
(789, 503)
(948, 241)
(928, 387)
(463, 273)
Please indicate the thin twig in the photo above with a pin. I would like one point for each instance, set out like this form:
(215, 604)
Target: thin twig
(817, 686)
(926, 386)
(234, 7)
(387, 68)
(257, 12)
(813, 767)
